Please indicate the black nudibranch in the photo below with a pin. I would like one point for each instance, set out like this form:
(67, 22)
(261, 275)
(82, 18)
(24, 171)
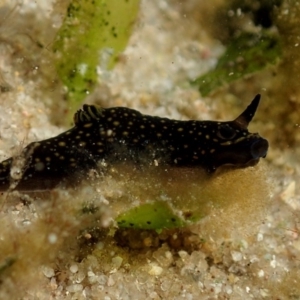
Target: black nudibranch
(122, 134)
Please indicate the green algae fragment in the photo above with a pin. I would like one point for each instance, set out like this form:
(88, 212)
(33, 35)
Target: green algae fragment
(156, 216)
(91, 28)
(247, 54)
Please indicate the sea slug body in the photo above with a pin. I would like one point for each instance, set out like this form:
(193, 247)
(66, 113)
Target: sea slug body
(123, 134)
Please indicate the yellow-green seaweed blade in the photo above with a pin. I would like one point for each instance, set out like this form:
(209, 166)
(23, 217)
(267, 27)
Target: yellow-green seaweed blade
(247, 54)
(157, 216)
(91, 28)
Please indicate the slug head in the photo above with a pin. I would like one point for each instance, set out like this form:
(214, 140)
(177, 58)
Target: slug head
(235, 145)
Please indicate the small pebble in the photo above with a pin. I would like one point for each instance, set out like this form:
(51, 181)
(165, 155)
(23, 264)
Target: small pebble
(273, 262)
(74, 268)
(110, 281)
(260, 237)
(183, 254)
(52, 238)
(117, 261)
(155, 271)
(73, 288)
(236, 256)
(48, 272)
(261, 273)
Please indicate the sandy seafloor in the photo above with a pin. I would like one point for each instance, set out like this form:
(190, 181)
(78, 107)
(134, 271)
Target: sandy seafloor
(250, 250)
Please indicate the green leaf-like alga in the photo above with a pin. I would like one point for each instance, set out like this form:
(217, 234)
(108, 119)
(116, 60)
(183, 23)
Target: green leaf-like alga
(91, 28)
(157, 215)
(245, 55)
